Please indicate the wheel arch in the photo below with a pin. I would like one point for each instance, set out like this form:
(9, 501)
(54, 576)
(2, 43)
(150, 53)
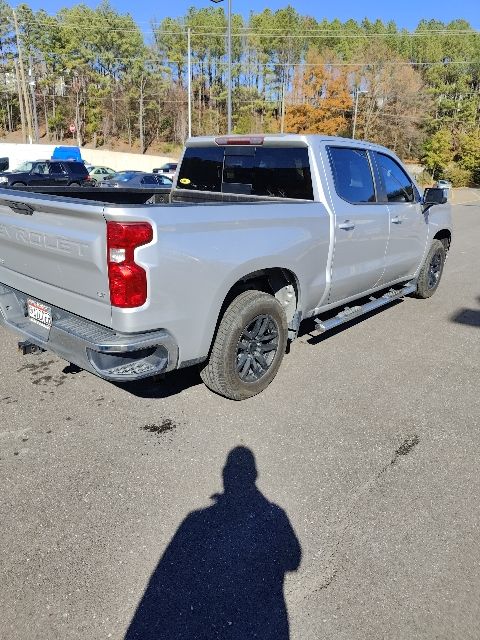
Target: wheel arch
(277, 281)
(445, 236)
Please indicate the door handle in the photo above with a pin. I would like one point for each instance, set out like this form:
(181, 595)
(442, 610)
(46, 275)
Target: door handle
(347, 225)
(396, 220)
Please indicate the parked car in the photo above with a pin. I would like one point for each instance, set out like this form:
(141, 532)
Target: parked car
(446, 185)
(45, 173)
(169, 169)
(137, 180)
(99, 174)
(262, 233)
(443, 184)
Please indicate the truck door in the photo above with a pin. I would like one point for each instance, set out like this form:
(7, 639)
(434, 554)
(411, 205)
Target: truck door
(58, 174)
(361, 224)
(408, 226)
(39, 174)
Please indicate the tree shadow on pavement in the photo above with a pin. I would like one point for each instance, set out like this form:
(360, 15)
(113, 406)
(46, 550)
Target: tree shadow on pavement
(222, 575)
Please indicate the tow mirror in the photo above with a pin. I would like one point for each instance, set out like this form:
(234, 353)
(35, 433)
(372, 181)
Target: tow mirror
(433, 196)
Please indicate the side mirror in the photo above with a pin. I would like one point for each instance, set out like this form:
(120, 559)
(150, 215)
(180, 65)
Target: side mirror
(434, 196)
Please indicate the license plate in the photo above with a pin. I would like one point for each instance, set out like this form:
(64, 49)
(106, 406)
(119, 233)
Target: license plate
(39, 314)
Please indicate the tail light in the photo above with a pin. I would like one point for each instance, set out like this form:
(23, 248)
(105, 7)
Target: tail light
(127, 280)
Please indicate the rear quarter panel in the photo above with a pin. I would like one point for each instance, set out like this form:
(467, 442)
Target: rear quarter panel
(200, 251)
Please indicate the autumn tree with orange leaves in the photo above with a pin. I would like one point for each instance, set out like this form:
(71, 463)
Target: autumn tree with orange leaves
(320, 100)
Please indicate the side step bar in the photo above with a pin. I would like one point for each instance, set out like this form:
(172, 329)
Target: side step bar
(349, 313)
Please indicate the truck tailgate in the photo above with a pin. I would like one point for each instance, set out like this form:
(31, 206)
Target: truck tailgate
(54, 249)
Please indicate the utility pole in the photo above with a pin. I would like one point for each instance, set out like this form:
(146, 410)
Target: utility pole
(20, 102)
(140, 115)
(31, 82)
(284, 93)
(357, 93)
(189, 81)
(22, 79)
(229, 94)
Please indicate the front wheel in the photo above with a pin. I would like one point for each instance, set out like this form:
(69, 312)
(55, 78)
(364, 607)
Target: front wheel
(431, 271)
(248, 348)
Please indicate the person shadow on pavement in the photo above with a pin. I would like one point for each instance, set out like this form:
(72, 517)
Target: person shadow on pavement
(222, 575)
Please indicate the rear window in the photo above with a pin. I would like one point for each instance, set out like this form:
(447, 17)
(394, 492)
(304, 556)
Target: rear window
(352, 174)
(77, 167)
(259, 171)
(201, 169)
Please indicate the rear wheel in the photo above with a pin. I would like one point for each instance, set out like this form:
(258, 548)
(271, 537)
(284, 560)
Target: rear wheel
(74, 184)
(248, 348)
(431, 271)
(19, 184)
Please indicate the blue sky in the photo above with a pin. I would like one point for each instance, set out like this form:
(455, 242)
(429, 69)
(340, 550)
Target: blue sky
(406, 13)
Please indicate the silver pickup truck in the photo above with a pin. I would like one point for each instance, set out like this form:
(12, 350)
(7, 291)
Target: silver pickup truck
(261, 233)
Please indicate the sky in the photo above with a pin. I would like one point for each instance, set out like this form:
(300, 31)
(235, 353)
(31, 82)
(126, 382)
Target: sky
(405, 13)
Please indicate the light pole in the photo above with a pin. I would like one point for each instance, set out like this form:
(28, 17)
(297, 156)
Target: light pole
(229, 64)
(189, 72)
(357, 93)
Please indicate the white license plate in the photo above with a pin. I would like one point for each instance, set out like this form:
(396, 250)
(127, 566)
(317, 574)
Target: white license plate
(39, 314)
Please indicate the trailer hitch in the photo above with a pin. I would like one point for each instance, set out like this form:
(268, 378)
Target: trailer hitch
(27, 348)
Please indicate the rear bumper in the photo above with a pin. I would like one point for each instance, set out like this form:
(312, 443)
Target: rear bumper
(100, 350)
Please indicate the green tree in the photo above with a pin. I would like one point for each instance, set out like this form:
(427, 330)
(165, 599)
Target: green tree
(438, 152)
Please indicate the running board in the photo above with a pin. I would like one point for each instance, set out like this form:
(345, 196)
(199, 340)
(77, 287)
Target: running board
(349, 313)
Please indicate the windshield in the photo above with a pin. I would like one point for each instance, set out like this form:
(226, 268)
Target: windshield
(25, 167)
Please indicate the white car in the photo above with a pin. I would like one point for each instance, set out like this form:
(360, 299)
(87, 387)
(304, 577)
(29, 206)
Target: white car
(99, 174)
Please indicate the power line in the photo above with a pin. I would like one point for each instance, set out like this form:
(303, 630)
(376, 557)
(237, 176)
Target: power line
(217, 62)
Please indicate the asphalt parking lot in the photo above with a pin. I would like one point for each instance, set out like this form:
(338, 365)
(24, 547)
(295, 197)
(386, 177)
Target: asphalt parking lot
(368, 441)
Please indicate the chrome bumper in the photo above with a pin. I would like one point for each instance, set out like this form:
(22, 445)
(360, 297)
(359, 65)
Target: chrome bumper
(100, 350)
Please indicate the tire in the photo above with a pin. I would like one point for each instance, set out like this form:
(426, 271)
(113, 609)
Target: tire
(253, 327)
(431, 271)
(19, 184)
(74, 184)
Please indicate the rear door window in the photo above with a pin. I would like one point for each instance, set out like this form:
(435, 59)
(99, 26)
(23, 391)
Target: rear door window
(352, 174)
(148, 180)
(260, 171)
(398, 186)
(56, 169)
